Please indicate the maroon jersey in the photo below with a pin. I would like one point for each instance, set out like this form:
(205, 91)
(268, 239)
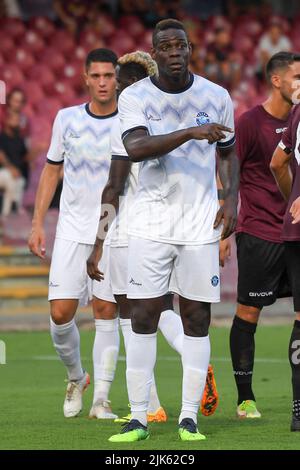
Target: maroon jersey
(291, 140)
(262, 205)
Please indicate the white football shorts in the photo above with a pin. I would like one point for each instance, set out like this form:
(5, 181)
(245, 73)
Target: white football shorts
(155, 268)
(68, 278)
(102, 290)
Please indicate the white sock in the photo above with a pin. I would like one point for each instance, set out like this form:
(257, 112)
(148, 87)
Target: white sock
(154, 402)
(141, 357)
(170, 325)
(125, 324)
(195, 360)
(66, 341)
(105, 356)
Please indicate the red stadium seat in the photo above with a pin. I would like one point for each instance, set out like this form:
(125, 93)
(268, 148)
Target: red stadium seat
(63, 91)
(42, 74)
(73, 73)
(63, 42)
(53, 58)
(33, 92)
(33, 41)
(12, 75)
(48, 108)
(14, 28)
(24, 59)
(42, 25)
(7, 46)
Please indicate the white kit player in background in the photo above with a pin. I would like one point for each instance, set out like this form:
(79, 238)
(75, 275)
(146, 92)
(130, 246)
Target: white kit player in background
(172, 124)
(81, 146)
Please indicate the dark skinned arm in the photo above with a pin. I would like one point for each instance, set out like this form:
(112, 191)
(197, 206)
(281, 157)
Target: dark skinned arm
(118, 174)
(228, 167)
(142, 146)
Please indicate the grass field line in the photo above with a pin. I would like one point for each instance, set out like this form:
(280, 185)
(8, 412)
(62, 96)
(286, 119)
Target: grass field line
(264, 360)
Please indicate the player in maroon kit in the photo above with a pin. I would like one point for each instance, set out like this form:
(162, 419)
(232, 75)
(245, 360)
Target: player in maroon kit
(262, 274)
(287, 153)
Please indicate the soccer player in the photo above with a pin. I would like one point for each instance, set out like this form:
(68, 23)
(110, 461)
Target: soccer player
(287, 153)
(81, 143)
(122, 183)
(168, 124)
(262, 275)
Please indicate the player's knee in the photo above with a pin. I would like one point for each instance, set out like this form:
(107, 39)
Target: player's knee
(144, 321)
(248, 313)
(59, 316)
(104, 310)
(196, 320)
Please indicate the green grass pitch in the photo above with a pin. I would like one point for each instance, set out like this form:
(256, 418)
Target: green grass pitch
(32, 391)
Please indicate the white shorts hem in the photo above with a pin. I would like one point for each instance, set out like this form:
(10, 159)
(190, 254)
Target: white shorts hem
(147, 295)
(197, 298)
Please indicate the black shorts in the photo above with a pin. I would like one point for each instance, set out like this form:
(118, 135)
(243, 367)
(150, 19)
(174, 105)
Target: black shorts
(292, 256)
(262, 271)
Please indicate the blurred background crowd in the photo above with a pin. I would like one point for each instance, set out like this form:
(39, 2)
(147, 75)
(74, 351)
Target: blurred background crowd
(43, 44)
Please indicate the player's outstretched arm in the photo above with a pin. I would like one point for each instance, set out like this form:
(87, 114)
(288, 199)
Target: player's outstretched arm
(142, 146)
(229, 176)
(46, 188)
(114, 188)
(280, 167)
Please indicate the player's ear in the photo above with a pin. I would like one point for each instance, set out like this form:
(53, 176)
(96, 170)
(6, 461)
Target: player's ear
(190, 48)
(276, 81)
(85, 76)
(152, 53)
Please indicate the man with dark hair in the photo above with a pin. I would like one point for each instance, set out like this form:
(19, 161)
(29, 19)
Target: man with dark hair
(112, 247)
(286, 154)
(262, 276)
(80, 142)
(168, 124)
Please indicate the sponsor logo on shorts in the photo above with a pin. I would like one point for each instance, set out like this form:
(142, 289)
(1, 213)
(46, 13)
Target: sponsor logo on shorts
(132, 281)
(214, 281)
(260, 294)
(51, 284)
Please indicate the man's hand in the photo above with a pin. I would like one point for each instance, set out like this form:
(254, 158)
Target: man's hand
(212, 132)
(93, 261)
(295, 211)
(224, 251)
(37, 241)
(227, 213)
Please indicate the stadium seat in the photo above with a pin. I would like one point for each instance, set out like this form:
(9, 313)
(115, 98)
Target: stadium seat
(42, 25)
(12, 76)
(33, 41)
(53, 58)
(24, 59)
(42, 74)
(33, 92)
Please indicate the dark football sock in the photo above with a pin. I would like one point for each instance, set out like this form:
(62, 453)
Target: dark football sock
(294, 358)
(242, 348)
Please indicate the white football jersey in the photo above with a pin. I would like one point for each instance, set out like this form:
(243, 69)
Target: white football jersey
(81, 140)
(176, 199)
(118, 232)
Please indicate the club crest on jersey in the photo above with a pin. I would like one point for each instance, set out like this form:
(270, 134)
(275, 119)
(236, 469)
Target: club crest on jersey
(202, 118)
(215, 281)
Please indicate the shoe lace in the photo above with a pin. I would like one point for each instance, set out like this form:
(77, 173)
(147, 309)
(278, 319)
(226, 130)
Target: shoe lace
(189, 425)
(70, 390)
(132, 425)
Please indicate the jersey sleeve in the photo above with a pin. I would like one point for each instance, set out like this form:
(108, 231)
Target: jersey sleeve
(55, 153)
(132, 115)
(228, 121)
(118, 151)
(286, 143)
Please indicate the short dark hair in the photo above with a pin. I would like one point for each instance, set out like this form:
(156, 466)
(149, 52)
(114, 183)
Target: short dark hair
(132, 69)
(13, 91)
(162, 25)
(101, 55)
(280, 60)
